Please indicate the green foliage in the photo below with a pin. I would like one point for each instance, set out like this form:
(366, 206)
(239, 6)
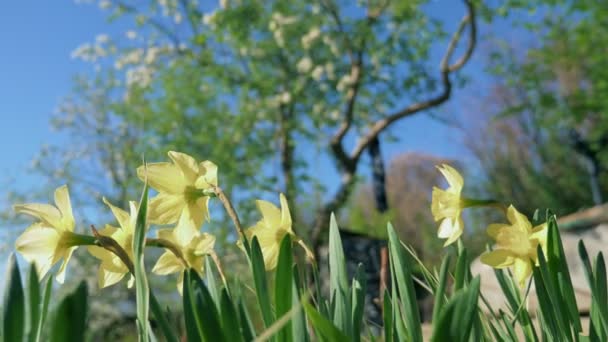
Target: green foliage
(214, 311)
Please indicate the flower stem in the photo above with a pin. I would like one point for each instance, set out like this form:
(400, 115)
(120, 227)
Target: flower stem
(219, 193)
(111, 245)
(218, 265)
(168, 245)
(471, 202)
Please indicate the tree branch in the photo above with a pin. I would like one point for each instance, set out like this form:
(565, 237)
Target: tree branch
(446, 70)
(349, 162)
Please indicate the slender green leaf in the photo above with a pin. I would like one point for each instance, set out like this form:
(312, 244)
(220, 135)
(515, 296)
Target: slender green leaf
(48, 289)
(206, 311)
(13, 308)
(230, 318)
(338, 285)
(211, 280)
(161, 319)
(283, 286)
(324, 326)
(245, 322)
(401, 269)
(261, 283)
(299, 333)
(441, 286)
(387, 315)
(142, 291)
(194, 329)
(70, 320)
(358, 301)
(33, 290)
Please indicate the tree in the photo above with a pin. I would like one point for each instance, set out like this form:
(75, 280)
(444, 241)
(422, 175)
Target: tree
(257, 86)
(552, 112)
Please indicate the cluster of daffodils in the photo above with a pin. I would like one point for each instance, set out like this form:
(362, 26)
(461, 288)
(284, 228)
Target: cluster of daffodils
(516, 242)
(184, 189)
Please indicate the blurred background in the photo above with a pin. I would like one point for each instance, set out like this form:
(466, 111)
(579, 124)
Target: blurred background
(323, 100)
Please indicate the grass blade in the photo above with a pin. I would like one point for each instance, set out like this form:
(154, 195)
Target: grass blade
(71, 316)
(13, 309)
(33, 290)
(283, 286)
(142, 290)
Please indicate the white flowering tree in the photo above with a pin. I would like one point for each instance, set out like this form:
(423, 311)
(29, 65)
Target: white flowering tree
(267, 88)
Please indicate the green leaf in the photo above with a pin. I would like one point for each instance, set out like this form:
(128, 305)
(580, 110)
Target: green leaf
(230, 318)
(211, 280)
(460, 276)
(205, 310)
(324, 326)
(261, 283)
(387, 315)
(440, 291)
(71, 316)
(142, 291)
(246, 325)
(13, 308)
(33, 299)
(403, 281)
(160, 317)
(193, 329)
(598, 286)
(338, 285)
(558, 268)
(48, 289)
(299, 333)
(358, 301)
(456, 321)
(283, 286)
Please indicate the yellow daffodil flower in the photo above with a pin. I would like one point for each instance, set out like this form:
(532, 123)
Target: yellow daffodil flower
(447, 205)
(51, 238)
(516, 245)
(112, 269)
(180, 185)
(271, 230)
(190, 243)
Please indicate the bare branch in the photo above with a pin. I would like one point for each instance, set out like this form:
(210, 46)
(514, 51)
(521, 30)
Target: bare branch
(446, 69)
(349, 162)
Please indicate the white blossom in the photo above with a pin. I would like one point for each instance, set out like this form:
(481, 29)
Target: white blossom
(105, 4)
(344, 83)
(310, 37)
(332, 45)
(223, 4)
(139, 76)
(304, 65)
(282, 20)
(208, 18)
(317, 73)
(102, 38)
(285, 97)
(131, 34)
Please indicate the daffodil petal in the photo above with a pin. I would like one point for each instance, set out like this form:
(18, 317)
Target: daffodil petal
(123, 218)
(60, 277)
(185, 230)
(166, 208)
(498, 258)
(285, 214)
(204, 244)
(539, 233)
(186, 164)
(495, 228)
(37, 245)
(62, 200)
(107, 278)
(453, 178)
(45, 212)
(207, 175)
(270, 213)
(167, 263)
(164, 177)
(522, 270)
(166, 234)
